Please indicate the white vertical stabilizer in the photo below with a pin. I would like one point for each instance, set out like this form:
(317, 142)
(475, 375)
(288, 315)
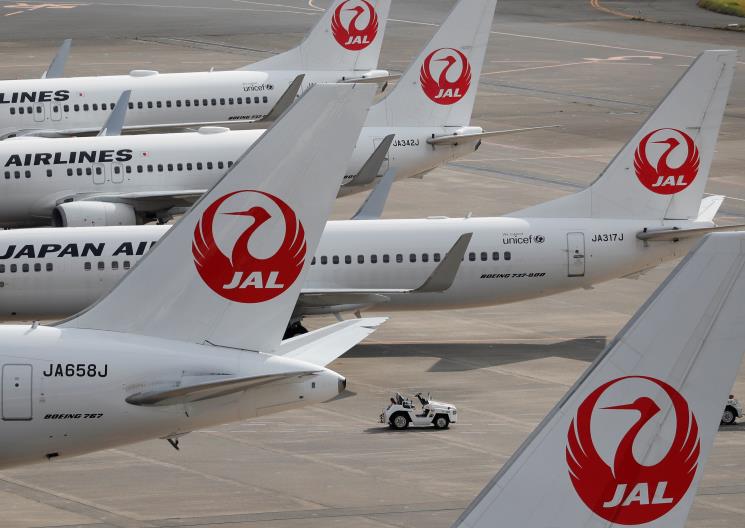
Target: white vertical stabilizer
(230, 271)
(439, 88)
(662, 172)
(628, 443)
(348, 37)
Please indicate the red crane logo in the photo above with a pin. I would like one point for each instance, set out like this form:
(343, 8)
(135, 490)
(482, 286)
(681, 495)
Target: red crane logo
(662, 178)
(445, 90)
(242, 277)
(349, 35)
(631, 493)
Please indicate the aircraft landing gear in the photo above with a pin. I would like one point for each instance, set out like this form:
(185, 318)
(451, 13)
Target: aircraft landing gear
(294, 329)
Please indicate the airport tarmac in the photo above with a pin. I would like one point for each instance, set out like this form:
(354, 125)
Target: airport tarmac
(595, 74)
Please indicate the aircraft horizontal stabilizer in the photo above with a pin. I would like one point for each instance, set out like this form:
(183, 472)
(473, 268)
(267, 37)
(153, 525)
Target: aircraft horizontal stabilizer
(214, 387)
(675, 234)
(457, 139)
(322, 346)
(372, 79)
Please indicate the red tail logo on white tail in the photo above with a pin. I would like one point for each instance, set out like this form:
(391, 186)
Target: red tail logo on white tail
(348, 34)
(442, 90)
(243, 277)
(663, 178)
(631, 493)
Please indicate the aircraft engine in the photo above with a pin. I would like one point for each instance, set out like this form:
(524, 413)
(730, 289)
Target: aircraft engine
(84, 213)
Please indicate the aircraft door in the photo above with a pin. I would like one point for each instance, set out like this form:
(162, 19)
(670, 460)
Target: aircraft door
(99, 173)
(386, 163)
(55, 111)
(576, 254)
(16, 392)
(117, 173)
(38, 109)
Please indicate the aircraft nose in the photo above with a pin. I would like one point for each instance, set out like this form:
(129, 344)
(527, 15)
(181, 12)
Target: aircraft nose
(342, 384)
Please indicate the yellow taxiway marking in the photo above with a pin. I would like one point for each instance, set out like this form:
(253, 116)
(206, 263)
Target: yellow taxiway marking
(596, 4)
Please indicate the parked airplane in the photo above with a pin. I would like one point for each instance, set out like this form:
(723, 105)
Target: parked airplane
(121, 180)
(344, 45)
(202, 352)
(637, 214)
(628, 443)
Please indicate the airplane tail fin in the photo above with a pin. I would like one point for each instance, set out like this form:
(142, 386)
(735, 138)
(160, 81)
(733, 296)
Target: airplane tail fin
(348, 37)
(627, 444)
(662, 172)
(229, 272)
(439, 88)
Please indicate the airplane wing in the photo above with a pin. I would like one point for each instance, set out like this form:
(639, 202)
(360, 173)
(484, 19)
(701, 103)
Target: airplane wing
(147, 200)
(457, 139)
(210, 386)
(333, 300)
(57, 67)
(322, 346)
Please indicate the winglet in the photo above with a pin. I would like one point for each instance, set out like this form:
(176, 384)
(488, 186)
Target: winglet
(114, 124)
(57, 67)
(371, 168)
(444, 274)
(709, 208)
(373, 206)
(651, 403)
(284, 102)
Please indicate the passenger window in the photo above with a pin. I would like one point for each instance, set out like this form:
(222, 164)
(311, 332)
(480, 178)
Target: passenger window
(50, 266)
(12, 110)
(101, 265)
(495, 255)
(324, 260)
(205, 102)
(13, 268)
(178, 104)
(335, 259)
(115, 265)
(55, 108)
(412, 257)
(25, 268)
(189, 166)
(180, 166)
(150, 168)
(472, 256)
(484, 256)
(85, 107)
(265, 99)
(386, 259)
(149, 104)
(168, 104)
(239, 100)
(117, 169)
(99, 170)
(160, 167)
(17, 175)
(7, 175)
(220, 165)
(507, 255)
(49, 173)
(436, 257)
(196, 102)
(139, 169)
(27, 174)
(88, 171)
(399, 258)
(170, 167)
(126, 265)
(230, 164)
(66, 108)
(158, 104)
(2, 268)
(222, 100)
(87, 266)
(313, 262)
(187, 102)
(139, 105)
(230, 100)
(360, 259)
(199, 165)
(348, 259)
(209, 165)
(69, 172)
(20, 110)
(95, 106)
(128, 169)
(373, 259)
(256, 100)
(214, 102)
(37, 266)
(425, 257)
(79, 171)
(130, 105)
(38, 109)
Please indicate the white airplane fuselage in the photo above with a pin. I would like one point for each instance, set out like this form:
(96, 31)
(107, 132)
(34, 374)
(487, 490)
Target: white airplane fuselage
(63, 397)
(37, 174)
(82, 104)
(47, 272)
